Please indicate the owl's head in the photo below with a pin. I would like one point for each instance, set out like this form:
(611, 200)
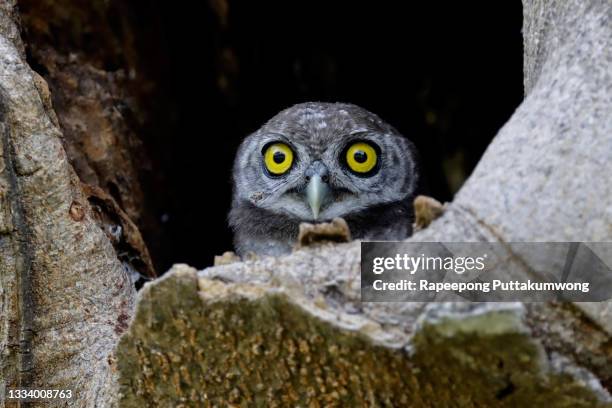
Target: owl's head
(317, 161)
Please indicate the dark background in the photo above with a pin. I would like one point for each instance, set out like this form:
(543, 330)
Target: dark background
(446, 74)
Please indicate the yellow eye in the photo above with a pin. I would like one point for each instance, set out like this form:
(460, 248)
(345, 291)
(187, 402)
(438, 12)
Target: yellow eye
(361, 157)
(278, 158)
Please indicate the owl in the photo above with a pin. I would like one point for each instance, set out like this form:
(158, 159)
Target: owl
(317, 161)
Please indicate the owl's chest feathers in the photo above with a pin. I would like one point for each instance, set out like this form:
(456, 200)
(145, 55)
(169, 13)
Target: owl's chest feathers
(264, 232)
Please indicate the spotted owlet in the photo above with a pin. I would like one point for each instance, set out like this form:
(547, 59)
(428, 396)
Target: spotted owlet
(317, 161)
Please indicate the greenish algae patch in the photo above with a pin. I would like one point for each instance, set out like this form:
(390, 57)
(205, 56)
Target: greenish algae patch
(184, 349)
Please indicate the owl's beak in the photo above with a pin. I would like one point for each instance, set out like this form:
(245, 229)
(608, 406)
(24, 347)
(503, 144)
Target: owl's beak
(316, 191)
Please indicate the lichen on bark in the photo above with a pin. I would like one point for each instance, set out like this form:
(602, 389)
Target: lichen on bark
(213, 343)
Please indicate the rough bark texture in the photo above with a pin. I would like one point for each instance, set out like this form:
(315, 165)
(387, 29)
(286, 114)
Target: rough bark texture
(89, 68)
(291, 330)
(65, 297)
(94, 89)
(267, 345)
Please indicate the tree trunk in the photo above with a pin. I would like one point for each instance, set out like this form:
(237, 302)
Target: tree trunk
(291, 330)
(66, 297)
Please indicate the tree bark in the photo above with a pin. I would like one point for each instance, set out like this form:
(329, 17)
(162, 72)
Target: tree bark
(95, 88)
(65, 296)
(291, 330)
